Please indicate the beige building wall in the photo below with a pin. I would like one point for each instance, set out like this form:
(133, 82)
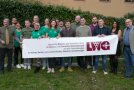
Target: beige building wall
(116, 8)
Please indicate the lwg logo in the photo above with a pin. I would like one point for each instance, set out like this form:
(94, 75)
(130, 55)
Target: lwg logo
(93, 46)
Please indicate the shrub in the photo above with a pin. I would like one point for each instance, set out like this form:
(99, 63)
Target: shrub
(22, 11)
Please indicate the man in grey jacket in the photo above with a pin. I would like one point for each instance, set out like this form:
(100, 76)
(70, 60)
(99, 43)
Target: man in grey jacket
(128, 38)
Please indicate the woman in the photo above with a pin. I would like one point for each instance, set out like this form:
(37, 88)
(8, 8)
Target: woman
(53, 32)
(114, 58)
(44, 30)
(36, 34)
(17, 48)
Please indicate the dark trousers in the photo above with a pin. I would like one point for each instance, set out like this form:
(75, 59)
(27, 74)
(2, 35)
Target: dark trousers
(69, 61)
(113, 63)
(83, 61)
(38, 62)
(3, 53)
(17, 50)
(90, 60)
(51, 62)
(58, 61)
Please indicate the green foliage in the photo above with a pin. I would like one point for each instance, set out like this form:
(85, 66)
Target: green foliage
(22, 11)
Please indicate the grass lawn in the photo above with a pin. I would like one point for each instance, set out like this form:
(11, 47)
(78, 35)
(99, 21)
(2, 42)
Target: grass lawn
(78, 80)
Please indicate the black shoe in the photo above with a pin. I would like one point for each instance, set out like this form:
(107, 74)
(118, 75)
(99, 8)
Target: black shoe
(37, 69)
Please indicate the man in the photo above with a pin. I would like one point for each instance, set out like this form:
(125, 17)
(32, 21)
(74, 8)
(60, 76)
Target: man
(35, 20)
(6, 45)
(67, 32)
(74, 26)
(83, 31)
(128, 39)
(26, 34)
(100, 31)
(76, 23)
(92, 27)
(94, 23)
(61, 25)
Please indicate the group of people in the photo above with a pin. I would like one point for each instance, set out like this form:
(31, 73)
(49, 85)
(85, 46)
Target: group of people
(11, 37)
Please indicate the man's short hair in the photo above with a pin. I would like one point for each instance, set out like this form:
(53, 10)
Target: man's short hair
(27, 20)
(6, 19)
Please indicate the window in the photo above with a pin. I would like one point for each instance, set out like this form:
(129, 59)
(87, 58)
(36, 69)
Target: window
(129, 0)
(105, 0)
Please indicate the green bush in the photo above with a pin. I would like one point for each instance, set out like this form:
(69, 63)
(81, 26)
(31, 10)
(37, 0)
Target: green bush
(22, 11)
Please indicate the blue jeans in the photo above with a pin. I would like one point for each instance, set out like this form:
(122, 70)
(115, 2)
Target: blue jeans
(45, 62)
(103, 62)
(129, 61)
(27, 61)
(69, 61)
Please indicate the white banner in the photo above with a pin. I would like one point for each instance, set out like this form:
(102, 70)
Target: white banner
(69, 47)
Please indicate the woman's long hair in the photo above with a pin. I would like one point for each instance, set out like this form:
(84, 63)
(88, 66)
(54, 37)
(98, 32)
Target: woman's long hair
(117, 26)
(56, 26)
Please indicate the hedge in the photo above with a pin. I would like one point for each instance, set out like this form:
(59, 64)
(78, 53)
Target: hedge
(22, 11)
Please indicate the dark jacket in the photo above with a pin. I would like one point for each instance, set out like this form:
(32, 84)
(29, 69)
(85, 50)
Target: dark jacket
(67, 33)
(99, 31)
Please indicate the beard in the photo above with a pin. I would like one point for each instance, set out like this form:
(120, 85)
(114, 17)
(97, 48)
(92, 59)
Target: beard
(94, 22)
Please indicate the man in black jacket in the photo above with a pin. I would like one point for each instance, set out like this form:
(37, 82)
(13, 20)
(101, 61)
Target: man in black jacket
(100, 31)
